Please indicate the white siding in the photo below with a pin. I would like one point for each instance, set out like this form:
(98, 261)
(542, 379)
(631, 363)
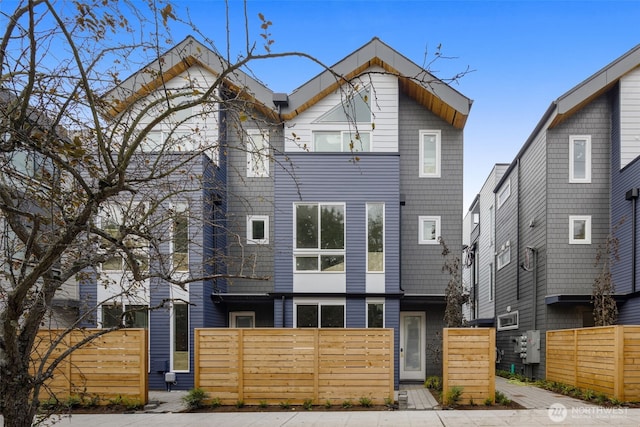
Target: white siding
(384, 106)
(630, 117)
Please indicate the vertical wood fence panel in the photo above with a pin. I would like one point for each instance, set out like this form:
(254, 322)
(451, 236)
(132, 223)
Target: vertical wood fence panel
(469, 361)
(604, 359)
(283, 364)
(112, 365)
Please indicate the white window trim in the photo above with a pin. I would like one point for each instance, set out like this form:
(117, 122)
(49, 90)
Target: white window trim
(375, 301)
(587, 165)
(253, 150)
(384, 237)
(342, 133)
(504, 193)
(319, 252)
(319, 303)
(172, 339)
(510, 327)
(506, 248)
(233, 315)
(421, 221)
(587, 230)
(250, 220)
(438, 135)
(180, 207)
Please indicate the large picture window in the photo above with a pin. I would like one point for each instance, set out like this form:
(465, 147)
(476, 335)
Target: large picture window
(430, 145)
(580, 159)
(319, 241)
(375, 237)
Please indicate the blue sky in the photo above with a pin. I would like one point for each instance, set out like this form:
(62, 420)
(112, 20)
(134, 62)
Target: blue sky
(525, 53)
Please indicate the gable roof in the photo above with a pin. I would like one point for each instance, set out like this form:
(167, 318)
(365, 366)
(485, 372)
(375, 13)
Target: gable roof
(415, 81)
(189, 52)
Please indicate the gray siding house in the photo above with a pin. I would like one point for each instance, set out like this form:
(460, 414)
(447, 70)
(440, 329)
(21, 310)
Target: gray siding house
(567, 190)
(318, 208)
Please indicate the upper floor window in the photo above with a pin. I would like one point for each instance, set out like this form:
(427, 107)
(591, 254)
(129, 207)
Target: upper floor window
(580, 229)
(504, 193)
(257, 229)
(180, 237)
(319, 240)
(429, 229)
(580, 158)
(257, 154)
(504, 256)
(430, 142)
(375, 237)
(114, 218)
(341, 141)
(165, 140)
(354, 108)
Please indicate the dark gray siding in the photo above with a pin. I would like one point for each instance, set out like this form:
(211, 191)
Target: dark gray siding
(422, 264)
(336, 178)
(571, 268)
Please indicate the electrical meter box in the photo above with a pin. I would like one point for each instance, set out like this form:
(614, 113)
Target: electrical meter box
(529, 344)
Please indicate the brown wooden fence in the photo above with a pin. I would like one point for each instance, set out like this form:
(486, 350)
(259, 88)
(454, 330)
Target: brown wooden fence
(293, 365)
(604, 359)
(469, 362)
(112, 365)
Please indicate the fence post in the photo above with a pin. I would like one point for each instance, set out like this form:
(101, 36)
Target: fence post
(575, 357)
(618, 370)
(240, 364)
(445, 364)
(316, 366)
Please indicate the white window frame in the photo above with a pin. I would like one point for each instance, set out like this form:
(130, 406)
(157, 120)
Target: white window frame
(504, 193)
(375, 301)
(492, 282)
(505, 251)
(319, 303)
(180, 207)
(383, 237)
(587, 230)
(587, 165)
(233, 315)
(319, 252)
(438, 159)
(250, 220)
(512, 314)
(421, 224)
(172, 338)
(344, 143)
(257, 152)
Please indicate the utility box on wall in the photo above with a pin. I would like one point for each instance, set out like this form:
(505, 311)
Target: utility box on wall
(530, 347)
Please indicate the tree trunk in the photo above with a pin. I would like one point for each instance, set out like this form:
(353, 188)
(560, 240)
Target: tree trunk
(16, 403)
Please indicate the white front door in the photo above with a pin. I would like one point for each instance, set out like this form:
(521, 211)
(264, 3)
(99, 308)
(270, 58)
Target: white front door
(412, 345)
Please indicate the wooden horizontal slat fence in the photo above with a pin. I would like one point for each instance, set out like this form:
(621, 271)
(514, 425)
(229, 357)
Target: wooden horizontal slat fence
(604, 359)
(292, 365)
(469, 361)
(112, 365)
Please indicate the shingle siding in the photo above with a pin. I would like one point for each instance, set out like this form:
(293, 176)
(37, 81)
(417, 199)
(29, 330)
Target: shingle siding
(422, 264)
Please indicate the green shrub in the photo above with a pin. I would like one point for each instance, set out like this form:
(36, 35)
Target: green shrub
(285, 405)
(347, 404)
(588, 394)
(453, 395)
(239, 403)
(488, 402)
(502, 399)
(72, 401)
(365, 402)
(433, 383)
(215, 402)
(195, 398)
(327, 404)
(388, 401)
(308, 404)
(263, 404)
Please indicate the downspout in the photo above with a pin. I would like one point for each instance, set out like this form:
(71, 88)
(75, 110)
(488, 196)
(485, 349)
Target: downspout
(633, 196)
(534, 254)
(518, 230)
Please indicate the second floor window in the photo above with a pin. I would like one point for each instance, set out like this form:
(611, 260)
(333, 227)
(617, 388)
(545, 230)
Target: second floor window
(257, 154)
(580, 159)
(341, 141)
(180, 238)
(319, 242)
(375, 237)
(430, 153)
(504, 256)
(429, 229)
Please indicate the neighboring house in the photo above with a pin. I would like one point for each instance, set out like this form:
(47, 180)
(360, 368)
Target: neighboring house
(332, 197)
(572, 181)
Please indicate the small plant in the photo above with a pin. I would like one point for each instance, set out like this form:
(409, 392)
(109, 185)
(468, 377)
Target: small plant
(388, 401)
(502, 399)
(308, 404)
(285, 404)
(72, 402)
(365, 402)
(588, 394)
(347, 404)
(215, 402)
(327, 404)
(263, 404)
(433, 383)
(615, 401)
(195, 398)
(471, 402)
(488, 402)
(50, 404)
(239, 403)
(453, 395)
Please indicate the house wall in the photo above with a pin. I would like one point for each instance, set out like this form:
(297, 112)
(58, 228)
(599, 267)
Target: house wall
(422, 264)
(629, 115)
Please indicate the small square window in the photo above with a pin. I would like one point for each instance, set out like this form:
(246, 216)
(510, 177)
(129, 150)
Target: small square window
(258, 229)
(429, 229)
(508, 321)
(580, 230)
